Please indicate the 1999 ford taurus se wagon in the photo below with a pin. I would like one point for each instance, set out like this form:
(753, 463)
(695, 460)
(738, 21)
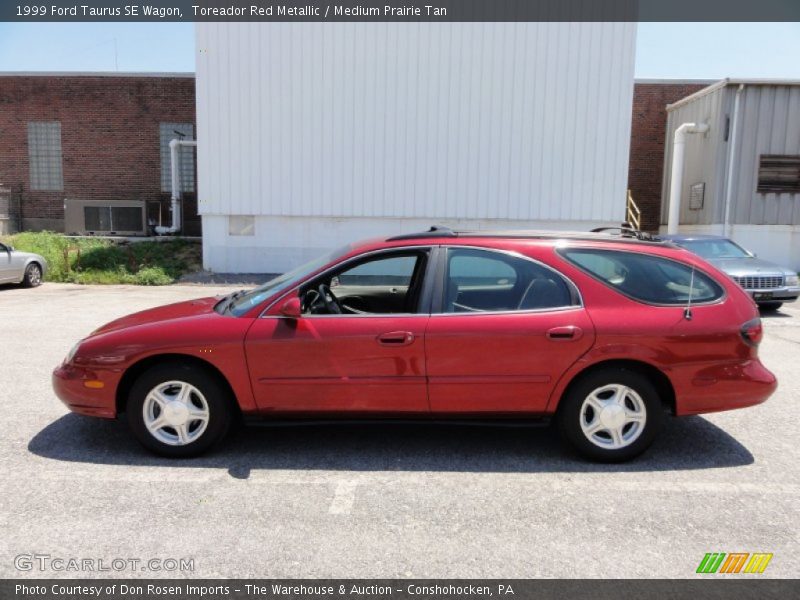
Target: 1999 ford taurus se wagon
(605, 333)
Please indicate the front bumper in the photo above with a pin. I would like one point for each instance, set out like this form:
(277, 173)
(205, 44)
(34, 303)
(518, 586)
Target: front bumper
(86, 391)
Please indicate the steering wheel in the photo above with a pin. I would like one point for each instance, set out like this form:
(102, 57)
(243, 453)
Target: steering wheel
(331, 302)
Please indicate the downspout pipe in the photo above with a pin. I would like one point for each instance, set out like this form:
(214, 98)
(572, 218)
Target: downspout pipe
(726, 231)
(676, 177)
(174, 160)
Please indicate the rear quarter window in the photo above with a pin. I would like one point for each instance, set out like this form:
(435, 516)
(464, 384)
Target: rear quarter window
(644, 277)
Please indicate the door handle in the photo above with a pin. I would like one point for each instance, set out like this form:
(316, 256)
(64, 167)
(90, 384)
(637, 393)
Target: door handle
(567, 333)
(396, 338)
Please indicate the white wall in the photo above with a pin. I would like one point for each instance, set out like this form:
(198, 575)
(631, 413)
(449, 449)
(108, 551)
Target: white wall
(387, 127)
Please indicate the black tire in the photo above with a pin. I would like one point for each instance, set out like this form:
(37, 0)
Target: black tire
(33, 276)
(220, 409)
(770, 305)
(569, 415)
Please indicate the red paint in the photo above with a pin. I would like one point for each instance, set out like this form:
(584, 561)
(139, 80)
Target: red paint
(465, 363)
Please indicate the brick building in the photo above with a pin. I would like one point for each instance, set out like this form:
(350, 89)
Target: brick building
(648, 127)
(101, 140)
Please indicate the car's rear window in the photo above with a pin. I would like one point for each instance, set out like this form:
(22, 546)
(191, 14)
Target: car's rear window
(645, 277)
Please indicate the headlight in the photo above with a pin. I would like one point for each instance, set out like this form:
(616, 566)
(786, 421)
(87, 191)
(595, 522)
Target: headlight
(792, 280)
(72, 352)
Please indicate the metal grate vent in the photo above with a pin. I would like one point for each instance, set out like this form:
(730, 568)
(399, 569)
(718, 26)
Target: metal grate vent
(759, 283)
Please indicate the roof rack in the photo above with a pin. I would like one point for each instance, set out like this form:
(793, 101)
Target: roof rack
(629, 232)
(433, 232)
(625, 234)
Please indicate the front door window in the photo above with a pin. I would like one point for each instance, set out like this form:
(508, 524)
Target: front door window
(380, 285)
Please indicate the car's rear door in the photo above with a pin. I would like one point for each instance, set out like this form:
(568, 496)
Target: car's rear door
(505, 329)
(359, 362)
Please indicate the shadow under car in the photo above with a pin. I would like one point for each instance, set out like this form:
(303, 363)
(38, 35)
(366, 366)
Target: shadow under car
(685, 443)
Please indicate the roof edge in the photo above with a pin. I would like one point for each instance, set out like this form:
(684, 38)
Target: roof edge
(730, 81)
(677, 81)
(177, 74)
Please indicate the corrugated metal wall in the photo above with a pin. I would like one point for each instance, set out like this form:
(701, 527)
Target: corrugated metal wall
(459, 120)
(768, 123)
(704, 158)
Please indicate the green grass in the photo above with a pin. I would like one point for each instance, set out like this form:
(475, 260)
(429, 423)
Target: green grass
(103, 261)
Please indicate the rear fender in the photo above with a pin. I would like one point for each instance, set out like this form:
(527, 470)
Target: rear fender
(602, 354)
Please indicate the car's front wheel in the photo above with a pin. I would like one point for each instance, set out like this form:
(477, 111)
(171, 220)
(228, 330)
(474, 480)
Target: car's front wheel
(179, 410)
(611, 415)
(33, 276)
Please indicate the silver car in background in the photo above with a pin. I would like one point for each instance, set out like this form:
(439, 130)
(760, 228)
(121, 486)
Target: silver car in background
(21, 267)
(769, 284)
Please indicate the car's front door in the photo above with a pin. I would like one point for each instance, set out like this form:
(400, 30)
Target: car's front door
(368, 359)
(506, 328)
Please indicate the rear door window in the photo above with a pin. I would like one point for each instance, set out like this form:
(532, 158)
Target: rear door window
(645, 277)
(484, 281)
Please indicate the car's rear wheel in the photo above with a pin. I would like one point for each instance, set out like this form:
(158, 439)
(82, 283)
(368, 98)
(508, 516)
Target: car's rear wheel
(770, 305)
(179, 410)
(611, 415)
(33, 276)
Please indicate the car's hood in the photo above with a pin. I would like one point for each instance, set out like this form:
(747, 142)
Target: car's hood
(747, 266)
(168, 312)
(26, 255)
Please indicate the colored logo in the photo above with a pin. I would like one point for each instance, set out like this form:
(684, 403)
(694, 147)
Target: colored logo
(735, 562)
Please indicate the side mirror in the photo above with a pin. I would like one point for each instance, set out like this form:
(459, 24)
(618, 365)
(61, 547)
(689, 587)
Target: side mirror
(291, 308)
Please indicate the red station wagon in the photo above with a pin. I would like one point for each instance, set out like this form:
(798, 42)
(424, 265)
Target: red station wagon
(606, 333)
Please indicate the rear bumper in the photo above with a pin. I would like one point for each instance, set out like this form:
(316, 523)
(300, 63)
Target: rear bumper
(724, 387)
(70, 385)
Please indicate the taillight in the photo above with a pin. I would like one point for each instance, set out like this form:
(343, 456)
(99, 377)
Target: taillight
(752, 332)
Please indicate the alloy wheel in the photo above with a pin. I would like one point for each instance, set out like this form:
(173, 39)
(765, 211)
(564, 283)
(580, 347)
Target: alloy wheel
(175, 413)
(34, 275)
(613, 416)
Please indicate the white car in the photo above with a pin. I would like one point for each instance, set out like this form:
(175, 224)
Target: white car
(26, 268)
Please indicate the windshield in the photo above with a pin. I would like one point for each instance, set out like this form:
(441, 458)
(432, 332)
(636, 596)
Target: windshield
(715, 248)
(243, 303)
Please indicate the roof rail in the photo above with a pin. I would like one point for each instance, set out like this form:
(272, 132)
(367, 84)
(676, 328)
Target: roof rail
(626, 234)
(433, 232)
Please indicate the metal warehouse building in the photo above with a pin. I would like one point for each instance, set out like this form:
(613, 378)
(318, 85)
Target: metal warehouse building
(741, 177)
(312, 135)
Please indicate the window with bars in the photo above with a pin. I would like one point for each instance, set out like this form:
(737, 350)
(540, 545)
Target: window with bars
(778, 174)
(169, 132)
(44, 156)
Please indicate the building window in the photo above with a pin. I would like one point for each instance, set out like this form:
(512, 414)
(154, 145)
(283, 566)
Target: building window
(44, 156)
(180, 131)
(241, 225)
(778, 174)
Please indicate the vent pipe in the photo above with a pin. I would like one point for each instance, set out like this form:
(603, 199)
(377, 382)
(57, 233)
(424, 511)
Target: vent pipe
(726, 228)
(174, 161)
(676, 178)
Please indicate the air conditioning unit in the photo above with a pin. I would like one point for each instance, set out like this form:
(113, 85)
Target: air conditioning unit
(105, 217)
